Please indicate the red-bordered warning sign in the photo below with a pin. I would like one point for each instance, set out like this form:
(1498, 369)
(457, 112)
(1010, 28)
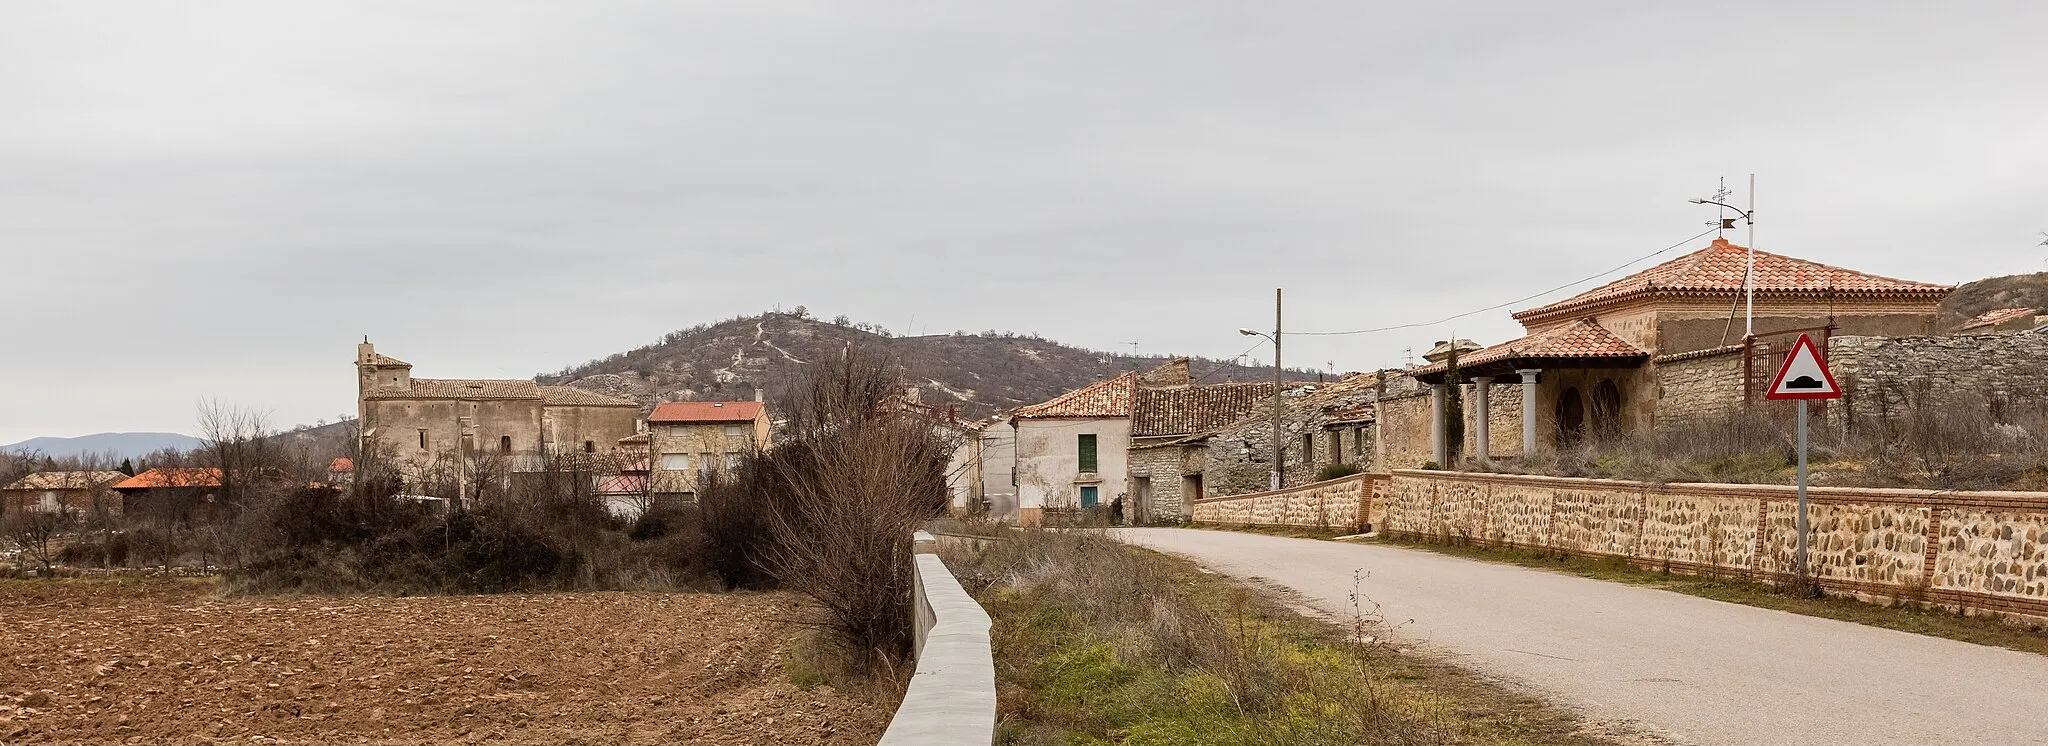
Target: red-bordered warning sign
(1805, 375)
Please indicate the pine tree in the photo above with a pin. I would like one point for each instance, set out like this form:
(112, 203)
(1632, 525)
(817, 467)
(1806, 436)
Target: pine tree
(1454, 409)
(127, 467)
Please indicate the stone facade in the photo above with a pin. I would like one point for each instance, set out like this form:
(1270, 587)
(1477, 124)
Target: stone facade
(1337, 504)
(1699, 386)
(1970, 551)
(1166, 480)
(516, 425)
(1325, 424)
(1403, 430)
(1884, 376)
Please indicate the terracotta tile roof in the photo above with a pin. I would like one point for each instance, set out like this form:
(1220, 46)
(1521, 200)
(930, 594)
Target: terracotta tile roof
(1718, 270)
(386, 361)
(1584, 338)
(1361, 413)
(2000, 316)
(66, 480)
(341, 465)
(680, 412)
(173, 477)
(1180, 410)
(570, 396)
(1111, 398)
(465, 388)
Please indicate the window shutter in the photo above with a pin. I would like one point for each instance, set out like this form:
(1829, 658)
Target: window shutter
(1088, 453)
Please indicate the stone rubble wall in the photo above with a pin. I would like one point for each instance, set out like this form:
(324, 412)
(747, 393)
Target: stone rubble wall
(1883, 376)
(1975, 552)
(1699, 389)
(1337, 504)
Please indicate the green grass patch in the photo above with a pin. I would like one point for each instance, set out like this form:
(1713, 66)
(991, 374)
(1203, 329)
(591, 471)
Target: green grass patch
(1101, 643)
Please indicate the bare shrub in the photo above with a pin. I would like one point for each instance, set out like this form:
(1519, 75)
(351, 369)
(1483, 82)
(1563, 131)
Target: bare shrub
(35, 533)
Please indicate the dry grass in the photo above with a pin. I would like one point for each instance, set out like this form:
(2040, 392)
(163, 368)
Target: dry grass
(1959, 443)
(1098, 643)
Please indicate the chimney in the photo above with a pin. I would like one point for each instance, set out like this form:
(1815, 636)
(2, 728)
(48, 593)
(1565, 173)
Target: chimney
(757, 393)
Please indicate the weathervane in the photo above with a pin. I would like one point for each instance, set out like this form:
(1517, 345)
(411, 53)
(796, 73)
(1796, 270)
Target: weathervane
(1721, 195)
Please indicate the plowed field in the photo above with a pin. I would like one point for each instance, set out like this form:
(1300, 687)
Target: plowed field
(177, 663)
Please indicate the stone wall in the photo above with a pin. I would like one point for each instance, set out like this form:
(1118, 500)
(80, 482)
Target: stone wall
(1504, 419)
(1884, 376)
(1238, 459)
(1159, 478)
(1337, 504)
(1698, 386)
(1970, 551)
(1404, 431)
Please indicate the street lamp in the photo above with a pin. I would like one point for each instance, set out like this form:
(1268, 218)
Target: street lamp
(1273, 478)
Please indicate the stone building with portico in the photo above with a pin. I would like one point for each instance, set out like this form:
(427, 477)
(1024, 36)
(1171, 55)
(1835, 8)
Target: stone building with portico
(1658, 347)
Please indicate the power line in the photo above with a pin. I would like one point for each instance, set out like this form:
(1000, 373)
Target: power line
(1582, 281)
(1228, 362)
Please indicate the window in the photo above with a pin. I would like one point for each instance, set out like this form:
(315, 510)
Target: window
(423, 439)
(675, 462)
(732, 460)
(589, 446)
(1087, 453)
(1336, 442)
(1308, 449)
(505, 443)
(735, 430)
(1090, 495)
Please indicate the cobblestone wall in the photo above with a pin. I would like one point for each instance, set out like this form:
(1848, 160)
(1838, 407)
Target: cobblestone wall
(1969, 551)
(1337, 504)
(1882, 376)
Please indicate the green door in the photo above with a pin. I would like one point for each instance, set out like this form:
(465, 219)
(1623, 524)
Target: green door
(1089, 497)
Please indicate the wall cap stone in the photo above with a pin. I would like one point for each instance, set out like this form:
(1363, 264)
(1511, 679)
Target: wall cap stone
(1988, 498)
(952, 696)
(1361, 476)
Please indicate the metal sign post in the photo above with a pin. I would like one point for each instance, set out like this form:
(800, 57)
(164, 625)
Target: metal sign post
(1805, 377)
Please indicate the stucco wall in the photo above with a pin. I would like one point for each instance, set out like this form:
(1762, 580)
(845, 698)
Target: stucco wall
(1048, 463)
(1974, 551)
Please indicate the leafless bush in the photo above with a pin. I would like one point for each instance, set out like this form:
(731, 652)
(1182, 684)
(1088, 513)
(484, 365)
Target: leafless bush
(829, 511)
(35, 533)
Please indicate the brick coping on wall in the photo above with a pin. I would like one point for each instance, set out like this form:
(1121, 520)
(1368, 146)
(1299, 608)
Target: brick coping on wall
(1820, 495)
(1292, 490)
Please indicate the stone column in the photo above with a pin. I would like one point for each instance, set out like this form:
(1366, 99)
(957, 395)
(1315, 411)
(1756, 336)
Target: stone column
(1482, 431)
(1528, 411)
(1438, 396)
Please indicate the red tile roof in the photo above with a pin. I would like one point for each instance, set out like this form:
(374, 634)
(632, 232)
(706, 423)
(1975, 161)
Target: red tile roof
(678, 412)
(2000, 316)
(171, 477)
(341, 465)
(66, 480)
(1111, 398)
(1584, 338)
(1180, 410)
(1718, 270)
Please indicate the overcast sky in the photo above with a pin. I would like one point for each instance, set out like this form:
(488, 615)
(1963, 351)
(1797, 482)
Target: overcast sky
(220, 199)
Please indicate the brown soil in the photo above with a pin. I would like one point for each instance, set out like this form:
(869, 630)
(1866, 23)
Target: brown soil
(174, 662)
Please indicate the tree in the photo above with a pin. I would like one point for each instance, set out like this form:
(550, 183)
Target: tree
(1454, 409)
(35, 533)
(127, 467)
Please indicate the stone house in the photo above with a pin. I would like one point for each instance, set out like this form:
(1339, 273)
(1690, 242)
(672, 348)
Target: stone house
(689, 439)
(1170, 426)
(1659, 347)
(86, 493)
(995, 459)
(1322, 425)
(437, 424)
(2003, 320)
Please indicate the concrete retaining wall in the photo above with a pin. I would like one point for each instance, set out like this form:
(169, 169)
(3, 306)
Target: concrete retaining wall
(1968, 551)
(952, 698)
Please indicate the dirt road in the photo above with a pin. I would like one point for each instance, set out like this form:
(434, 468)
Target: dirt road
(1694, 670)
(174, 663)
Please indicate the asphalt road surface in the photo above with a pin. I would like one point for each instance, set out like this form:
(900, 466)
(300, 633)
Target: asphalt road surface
(1691, 670)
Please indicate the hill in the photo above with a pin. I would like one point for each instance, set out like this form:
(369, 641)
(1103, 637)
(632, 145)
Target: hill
(980, 373)
(122, 445)
(1991, 294)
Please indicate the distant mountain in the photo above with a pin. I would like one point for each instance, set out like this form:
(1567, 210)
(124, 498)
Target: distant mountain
(980, 373)
(1992, 294)
(122, 445)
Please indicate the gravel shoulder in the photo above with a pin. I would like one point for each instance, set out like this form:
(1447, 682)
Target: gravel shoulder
(1692, 670)
(177, 663)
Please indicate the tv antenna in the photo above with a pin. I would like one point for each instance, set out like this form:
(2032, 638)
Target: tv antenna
(1134, 347)
(1725, 223)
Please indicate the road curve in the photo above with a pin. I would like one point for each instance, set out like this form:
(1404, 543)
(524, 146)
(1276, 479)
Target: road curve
(1693, 670)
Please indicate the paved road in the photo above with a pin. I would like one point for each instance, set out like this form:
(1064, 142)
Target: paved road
(1693, 670)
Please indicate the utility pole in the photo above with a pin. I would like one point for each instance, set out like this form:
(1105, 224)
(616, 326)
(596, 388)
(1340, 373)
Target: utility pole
(1749, 273)
(1279, 445)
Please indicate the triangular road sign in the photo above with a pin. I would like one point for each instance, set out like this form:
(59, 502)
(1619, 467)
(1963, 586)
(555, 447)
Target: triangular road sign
(1805, 375)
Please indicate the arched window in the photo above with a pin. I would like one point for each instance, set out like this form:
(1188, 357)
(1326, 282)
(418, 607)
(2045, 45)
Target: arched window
(1571, 417)
(505, 443)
